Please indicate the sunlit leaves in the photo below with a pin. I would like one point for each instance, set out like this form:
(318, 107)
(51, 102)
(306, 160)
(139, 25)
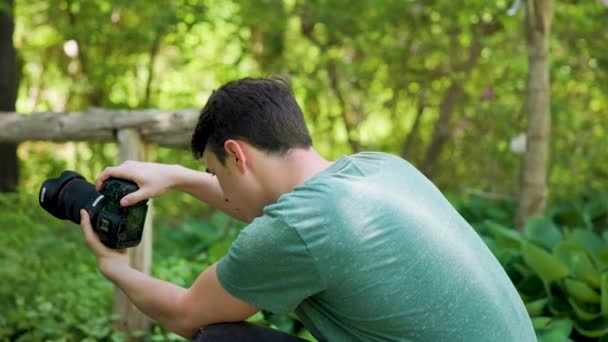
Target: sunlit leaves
(390, 57)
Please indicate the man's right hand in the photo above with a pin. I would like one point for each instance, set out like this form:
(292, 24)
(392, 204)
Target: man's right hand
(153, 179)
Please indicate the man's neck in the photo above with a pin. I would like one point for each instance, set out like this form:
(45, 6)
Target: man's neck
(286, 172)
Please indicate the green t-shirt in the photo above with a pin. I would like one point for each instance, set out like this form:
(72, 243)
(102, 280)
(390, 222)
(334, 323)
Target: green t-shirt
(369, 249)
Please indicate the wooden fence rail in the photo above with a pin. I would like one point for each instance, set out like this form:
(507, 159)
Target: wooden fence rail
(165, 128)
(131, 130)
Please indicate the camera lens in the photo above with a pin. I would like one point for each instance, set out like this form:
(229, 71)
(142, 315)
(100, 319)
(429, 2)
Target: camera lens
(65, 195)
(116, 226)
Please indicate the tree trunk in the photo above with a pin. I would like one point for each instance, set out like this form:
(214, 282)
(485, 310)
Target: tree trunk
(351, 119)
(443, 128)
(9, 83)
(412, 136)
(153, 54)
(533, 185)
(454, 93)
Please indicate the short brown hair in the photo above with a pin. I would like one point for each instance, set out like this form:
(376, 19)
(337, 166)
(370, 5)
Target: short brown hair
(261, 111)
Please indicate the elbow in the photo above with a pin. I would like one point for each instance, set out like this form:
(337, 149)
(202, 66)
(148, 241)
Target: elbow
(183, 323)
(189, 332)
(185, 328)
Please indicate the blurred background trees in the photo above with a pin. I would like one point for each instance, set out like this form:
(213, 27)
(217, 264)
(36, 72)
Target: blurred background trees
(441, 83)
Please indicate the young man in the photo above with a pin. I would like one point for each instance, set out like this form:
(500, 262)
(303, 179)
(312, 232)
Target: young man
(363, 249)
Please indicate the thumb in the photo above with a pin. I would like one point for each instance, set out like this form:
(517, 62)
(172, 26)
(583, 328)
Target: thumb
(87, 229)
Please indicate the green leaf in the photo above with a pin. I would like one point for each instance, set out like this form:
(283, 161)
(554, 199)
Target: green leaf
(540, 322)
(589, 239)
(505, 237)
(558, 330)
(522, 269)
(537, 307)
(574, 254)
(585, 312)
(565, 249)
(605, 236)
(583, 269)
(558, 305)
(531, 286)
(581, 291)
(604, 302)
(542, 231)
(596, 328)
(548, 267)
(600, 258)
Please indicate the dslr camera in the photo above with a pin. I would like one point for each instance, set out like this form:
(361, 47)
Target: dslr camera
(117, 227)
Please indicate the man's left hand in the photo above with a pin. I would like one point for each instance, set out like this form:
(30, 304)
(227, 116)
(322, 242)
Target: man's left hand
(107, 258)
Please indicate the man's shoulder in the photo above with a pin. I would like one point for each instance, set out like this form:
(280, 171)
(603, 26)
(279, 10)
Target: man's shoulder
(313, 197)
(375, 156)
(349, 178)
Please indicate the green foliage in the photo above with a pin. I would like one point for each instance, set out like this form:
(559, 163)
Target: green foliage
(50, 289)
(560, 267)
(368, 74)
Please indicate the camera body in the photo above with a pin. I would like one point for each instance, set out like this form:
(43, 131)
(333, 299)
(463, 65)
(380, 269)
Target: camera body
(117, 227)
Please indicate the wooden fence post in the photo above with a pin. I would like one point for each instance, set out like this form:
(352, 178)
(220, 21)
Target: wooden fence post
(131, 147)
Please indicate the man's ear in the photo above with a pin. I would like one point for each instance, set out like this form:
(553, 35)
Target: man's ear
(237, 151)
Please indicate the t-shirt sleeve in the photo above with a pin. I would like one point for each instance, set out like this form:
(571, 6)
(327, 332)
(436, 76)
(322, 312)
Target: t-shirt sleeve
(270, 266)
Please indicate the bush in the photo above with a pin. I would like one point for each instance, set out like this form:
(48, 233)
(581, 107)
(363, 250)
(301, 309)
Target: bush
(50, 289)
(559, 265)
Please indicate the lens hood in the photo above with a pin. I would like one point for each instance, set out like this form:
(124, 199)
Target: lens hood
(51, 190)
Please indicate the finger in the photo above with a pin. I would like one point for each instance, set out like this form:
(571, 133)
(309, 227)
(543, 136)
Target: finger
(85, 223)
(85, 220)
(105, 174)
(113, 171)
(134, 198)
(89, 235)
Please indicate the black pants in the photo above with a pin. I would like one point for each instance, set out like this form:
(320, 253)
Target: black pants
(242, 332)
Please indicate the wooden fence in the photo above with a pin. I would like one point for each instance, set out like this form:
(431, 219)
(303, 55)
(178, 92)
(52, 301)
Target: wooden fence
(131, 130)
(165, 128)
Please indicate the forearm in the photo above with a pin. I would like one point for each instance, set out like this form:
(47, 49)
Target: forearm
(157, 299)
(203, 187)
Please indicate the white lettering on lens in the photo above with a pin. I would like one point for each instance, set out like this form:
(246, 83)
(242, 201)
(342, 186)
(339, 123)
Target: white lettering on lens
(97, 200)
